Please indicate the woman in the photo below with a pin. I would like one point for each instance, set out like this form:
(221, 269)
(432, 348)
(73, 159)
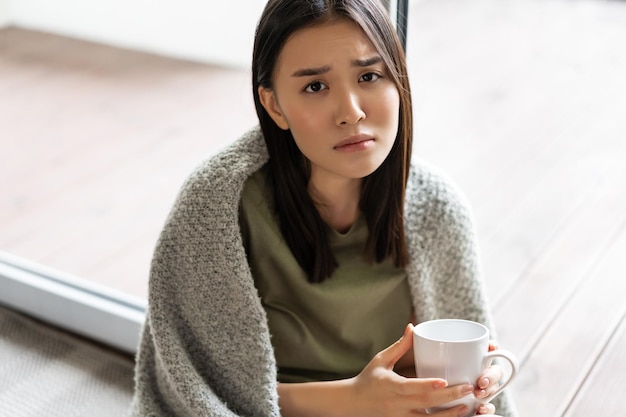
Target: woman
(293, 260)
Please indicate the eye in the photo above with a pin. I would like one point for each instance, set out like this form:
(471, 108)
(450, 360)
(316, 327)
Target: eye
(369, 77)
(315, 86)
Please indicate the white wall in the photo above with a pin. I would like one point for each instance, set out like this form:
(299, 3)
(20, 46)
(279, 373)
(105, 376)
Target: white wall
(4, 13)
(214, 31)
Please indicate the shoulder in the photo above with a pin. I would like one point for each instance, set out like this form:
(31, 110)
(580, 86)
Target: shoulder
(211, 193)
(225, 172)
(437, 213)
(430, 190)
(235, 162)
(444, 271)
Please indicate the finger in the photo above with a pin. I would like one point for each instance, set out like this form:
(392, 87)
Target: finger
(429, 393)
(491, 376)
(486, 393)
(426, 398)
(488, 384)
(486, 409)
(456, 411)
(393, 353)
(493, 345)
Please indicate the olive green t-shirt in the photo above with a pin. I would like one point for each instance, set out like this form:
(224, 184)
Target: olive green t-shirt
(329, 330)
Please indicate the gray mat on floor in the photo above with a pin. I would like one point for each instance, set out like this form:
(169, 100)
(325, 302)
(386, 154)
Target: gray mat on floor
(47, 372)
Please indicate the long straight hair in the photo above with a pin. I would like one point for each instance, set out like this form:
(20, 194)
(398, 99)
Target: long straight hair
(383, 191)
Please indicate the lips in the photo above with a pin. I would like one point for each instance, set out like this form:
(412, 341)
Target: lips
(353, 140)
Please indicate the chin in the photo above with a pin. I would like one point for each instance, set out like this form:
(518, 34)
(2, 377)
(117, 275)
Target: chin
(365, 172)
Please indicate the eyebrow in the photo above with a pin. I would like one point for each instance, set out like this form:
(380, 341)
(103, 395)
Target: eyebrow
(307, 72)
(367, 62)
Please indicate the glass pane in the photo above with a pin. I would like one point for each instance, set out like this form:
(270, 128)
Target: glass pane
(96, 142)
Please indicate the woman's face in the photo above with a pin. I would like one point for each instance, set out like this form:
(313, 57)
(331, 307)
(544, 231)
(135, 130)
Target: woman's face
(332, 90)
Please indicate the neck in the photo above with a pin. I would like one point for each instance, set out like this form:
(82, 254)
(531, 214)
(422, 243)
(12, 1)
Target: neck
(337, 201)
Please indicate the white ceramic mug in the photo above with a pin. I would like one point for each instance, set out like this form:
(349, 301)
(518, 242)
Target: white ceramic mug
(457, 351)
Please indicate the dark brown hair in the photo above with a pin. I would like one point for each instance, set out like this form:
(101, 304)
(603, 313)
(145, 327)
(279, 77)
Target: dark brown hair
(383, 191)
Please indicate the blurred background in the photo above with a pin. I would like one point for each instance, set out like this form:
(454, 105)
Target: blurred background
(106, 107)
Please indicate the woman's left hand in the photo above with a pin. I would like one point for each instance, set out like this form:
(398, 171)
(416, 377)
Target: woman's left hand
(487, 384)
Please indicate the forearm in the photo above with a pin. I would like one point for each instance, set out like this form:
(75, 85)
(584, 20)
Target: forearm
(316, 399)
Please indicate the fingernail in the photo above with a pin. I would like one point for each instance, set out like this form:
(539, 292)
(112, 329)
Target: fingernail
(483, 383)
(440, 384)
(481, 394)
(467, 389)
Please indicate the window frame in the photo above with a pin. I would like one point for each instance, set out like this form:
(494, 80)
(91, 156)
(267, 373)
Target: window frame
(99, 313)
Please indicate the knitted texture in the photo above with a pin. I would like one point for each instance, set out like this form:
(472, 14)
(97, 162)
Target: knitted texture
(206, 349)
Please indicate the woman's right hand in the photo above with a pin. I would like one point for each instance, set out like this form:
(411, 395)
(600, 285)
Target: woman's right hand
(379, 391)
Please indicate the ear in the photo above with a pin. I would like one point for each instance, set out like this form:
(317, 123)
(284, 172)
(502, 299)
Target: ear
(270, 103)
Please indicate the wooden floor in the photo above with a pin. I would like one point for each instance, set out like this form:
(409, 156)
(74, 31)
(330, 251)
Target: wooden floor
(522, 102)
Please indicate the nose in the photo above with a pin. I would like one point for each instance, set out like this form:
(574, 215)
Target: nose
(349, 110)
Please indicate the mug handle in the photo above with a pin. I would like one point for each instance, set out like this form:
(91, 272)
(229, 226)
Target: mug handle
(511, 358)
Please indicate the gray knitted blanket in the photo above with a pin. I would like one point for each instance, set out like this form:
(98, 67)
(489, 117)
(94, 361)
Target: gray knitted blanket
(206, 348)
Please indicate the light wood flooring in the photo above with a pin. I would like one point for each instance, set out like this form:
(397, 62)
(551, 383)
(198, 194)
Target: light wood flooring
(522, 102)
